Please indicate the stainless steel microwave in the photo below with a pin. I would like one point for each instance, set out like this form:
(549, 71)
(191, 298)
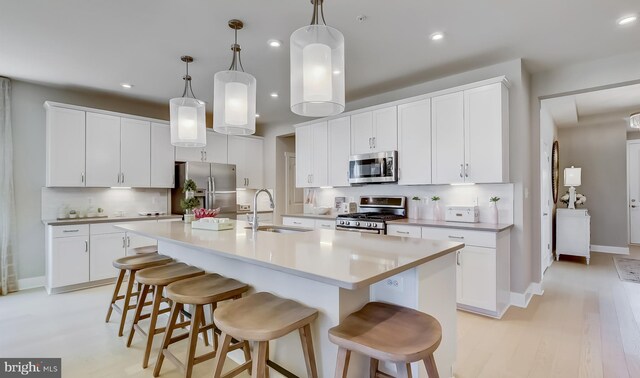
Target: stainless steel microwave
(375, 168)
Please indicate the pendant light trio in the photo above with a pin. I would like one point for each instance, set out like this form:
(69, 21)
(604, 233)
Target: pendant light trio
(317, 85)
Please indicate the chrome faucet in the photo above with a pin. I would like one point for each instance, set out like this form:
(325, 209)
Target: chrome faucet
(254, 223)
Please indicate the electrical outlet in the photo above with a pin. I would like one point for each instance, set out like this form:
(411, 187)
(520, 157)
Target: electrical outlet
(395, 283)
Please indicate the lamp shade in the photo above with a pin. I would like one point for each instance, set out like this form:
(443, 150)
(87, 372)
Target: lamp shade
(234, 103)
(634, 121)
(317, 71)
(572, 176)
(188, 126)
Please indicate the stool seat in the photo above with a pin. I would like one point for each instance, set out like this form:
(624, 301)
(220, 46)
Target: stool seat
(262, 317)
(167, 274)
(137, 262)
(146, 249)
(388, 332)
(205, 289)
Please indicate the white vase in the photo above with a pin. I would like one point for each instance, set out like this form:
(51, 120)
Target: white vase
(493, 213)
(414, 209)
(437, 214)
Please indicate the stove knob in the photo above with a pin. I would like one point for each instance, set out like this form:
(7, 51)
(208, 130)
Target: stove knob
(370, 225)
(341, 222)
(357, 223)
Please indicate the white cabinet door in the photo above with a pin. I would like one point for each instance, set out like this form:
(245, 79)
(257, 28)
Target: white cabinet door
(447, 144)
(236, 156)
(135, 153)
(254, 153)
(304, 151)
(361, 133)
(189, 154)
(339, 150)
(104, 249)
(477, 277)
(319, 157)
(216, 149)
(103, 150)
(404, 231)
(65, 136)
(70, 261)
(385, 129)
(162, 156)
(414, 143)
(486, 134)
(328, 224)
(134, 241)
(299, 222)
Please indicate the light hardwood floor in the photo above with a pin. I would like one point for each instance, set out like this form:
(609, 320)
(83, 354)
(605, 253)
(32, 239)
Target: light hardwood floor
(587, 324)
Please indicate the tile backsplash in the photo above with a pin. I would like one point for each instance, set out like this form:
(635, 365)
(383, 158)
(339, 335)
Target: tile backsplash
(128, 201)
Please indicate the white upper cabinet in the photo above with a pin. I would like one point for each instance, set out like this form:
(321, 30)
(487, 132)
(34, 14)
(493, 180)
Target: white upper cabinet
(339, 149)
(414, 143)
(374, 131)
(103, 150)
(486, 129)
(247, 155)
(311, 155)
(189, 153)
(447, 131)
(135, 153)
(65, 134)
(162, 156)
(216, 149)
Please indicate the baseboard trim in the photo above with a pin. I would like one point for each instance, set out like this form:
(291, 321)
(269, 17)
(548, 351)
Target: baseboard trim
(30, 283)
(610, 249)
(522, 299)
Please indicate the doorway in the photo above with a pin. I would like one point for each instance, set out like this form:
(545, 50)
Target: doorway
(633, 179)
(293, 196)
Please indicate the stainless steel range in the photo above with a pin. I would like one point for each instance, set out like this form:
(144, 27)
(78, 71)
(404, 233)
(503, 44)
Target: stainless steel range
(374, 213)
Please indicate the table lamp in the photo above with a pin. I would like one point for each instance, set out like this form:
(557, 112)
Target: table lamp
(572, 178)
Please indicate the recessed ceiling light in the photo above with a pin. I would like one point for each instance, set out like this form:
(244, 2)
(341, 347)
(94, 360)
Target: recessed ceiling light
(627, 20)
(126, 85)
(274, 43)
(257, 115)
(274, 94)
(436, 36)
(337, 72)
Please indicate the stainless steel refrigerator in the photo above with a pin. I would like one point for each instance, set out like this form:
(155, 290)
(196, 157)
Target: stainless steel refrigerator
(216, 186)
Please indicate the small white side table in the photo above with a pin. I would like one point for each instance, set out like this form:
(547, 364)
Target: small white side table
(573, 233)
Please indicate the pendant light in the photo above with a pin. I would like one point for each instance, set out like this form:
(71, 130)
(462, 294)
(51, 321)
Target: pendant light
(234, 95)
(317, 68)
(187, 114)
(634, 120)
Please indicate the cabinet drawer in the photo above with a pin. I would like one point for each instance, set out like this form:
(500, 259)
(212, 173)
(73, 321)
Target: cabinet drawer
(326, 224)
(405, 231)
(469, 237)
(71, 230)
(299, 222)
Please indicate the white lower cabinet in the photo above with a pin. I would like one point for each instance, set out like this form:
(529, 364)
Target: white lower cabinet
(104, 249)
(324, 224)
(134, 241)
(482, 266)
(69, 260)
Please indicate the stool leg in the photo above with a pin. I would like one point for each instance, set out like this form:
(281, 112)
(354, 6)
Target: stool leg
(260, 360)
(403, 370)
(136, 318)
(203, 322)
(171, 325)
(213, 307)
(430, 364)
(157, 299)
(116, 291)
(373, 367)
(193, 340)
(342, 364)
(247, 353)
(221, 354)
(127, 299)
(307, 348)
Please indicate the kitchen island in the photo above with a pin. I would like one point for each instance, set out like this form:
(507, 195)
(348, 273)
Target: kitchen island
(336, 272)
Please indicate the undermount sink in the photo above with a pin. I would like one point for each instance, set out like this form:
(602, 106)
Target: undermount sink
(281, 229)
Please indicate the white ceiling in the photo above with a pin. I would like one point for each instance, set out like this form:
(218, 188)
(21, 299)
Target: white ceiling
(100, 44)
(612, 105)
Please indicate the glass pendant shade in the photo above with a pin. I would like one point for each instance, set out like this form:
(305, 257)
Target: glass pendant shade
(188, 126)
(634, 121)
(234, 104)
(317, 71)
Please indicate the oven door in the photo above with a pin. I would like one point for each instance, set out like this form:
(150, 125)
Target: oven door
(378, 167)
(360, 230)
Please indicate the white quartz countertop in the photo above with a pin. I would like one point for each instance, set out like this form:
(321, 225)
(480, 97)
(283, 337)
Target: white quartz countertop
(350, 260)
(312, 216)
(459, 225)
(63, 222)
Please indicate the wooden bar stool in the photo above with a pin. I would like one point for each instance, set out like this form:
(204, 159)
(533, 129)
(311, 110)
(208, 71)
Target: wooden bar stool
(208, 289)
(131, 264)
(145, 250)
(156, 279)
(262, 317)
(387, 332)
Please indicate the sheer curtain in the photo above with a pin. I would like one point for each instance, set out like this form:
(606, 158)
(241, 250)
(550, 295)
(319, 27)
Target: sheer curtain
(8, 280)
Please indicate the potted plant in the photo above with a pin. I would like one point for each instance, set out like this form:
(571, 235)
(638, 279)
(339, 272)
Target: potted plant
(494, 209)
(414, 208)
(437, 213)
(188, 204)
(73, 214)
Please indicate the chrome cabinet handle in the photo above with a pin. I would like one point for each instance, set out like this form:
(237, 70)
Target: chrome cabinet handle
(70, 230)
(296, 222)
(124, 243)
(456, 237)
(123, 178)
(82, 177)
(634, 206)
(128, 242)
(86, 246)
(325, 225)
(374, 142)
(403, 232)
(458, 258)
(118, 178)
(461, 168)
(466, 170)
(205, 156)
(370, 143)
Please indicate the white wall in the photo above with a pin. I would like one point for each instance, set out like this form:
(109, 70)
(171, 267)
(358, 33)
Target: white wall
(580, 77)
(28, 119)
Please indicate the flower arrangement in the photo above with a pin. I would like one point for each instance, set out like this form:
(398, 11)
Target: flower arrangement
(435, 198)
(580, 199)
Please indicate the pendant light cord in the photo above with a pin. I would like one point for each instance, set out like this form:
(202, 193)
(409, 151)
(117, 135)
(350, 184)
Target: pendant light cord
(318, 13)
(187, 82)
(236, 53)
